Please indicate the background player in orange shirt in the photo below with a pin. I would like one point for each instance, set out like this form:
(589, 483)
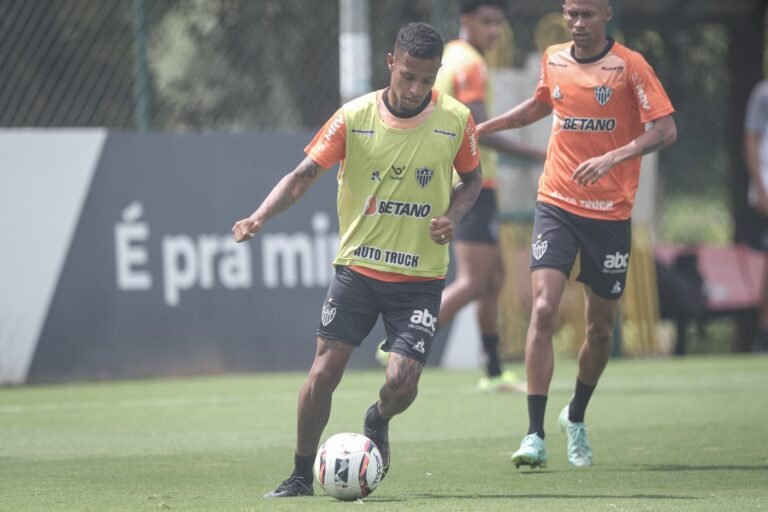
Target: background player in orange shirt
(602, 95)
(479, 263)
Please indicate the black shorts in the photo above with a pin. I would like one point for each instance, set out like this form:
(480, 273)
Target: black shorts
(409, 311)
(558, 236)
(481, 223)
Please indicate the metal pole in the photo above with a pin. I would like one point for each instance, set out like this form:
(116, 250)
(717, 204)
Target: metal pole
(618, 339)
(142, 100)
(440, 17)
(354, 49)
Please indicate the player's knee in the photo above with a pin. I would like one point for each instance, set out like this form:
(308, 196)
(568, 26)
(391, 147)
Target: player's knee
(325, 376)
(599, 335)
(543, 313)
(468, 287)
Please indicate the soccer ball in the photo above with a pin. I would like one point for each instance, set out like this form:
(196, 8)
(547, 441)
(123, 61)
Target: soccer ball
(348, 466)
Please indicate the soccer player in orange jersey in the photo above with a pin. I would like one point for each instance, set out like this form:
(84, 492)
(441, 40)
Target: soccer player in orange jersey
(479, 263)
(602, 95)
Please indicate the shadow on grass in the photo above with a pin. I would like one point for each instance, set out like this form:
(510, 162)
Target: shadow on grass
(717, 467)
(431, 496)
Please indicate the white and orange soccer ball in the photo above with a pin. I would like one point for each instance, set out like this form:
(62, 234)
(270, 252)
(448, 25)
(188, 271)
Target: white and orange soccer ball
(348, 466)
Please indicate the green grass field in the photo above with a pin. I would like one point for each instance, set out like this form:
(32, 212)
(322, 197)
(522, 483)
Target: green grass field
(669, 435)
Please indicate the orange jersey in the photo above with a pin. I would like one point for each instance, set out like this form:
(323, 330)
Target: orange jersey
(598, 105)
(464, 75)
(465, 67)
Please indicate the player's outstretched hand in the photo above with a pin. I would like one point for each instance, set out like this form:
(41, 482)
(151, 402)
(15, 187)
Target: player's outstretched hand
(441, 230)
(245, 229)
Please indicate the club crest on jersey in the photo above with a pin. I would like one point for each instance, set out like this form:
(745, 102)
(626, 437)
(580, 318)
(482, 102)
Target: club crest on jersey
(538, 249)
(424, 176)
(557, 94)
(603, 94)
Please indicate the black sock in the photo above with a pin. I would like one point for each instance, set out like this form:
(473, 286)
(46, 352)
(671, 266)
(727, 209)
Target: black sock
(491, 347)
(537, 404)
(579, 402)
(374, 418)
(302, 466)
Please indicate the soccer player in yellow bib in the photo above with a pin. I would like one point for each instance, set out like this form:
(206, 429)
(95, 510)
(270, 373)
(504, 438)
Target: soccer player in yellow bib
(397, 211)
(479, 264)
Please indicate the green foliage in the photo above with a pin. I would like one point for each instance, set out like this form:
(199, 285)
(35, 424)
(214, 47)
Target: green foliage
(691, 220)
(692, 63)
(679, 435)
(241, 65)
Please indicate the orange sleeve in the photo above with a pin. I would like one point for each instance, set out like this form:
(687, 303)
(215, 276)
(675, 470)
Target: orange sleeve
(650, 96)
(468, 157)
(329, 146)
(542, 94)
(469, 83)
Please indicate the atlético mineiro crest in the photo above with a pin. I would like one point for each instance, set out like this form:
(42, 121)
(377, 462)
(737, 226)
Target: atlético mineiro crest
(603, 94)
(538, 249)
(329, 313)
(424, 176)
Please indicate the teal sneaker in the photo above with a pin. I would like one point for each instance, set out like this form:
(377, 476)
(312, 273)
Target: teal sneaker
(532, 452)
(579, 450)
(381, 355)
(505, 383)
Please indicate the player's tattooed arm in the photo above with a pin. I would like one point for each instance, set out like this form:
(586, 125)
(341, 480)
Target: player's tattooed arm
(465, 194)
(283, 196)
(290, 188)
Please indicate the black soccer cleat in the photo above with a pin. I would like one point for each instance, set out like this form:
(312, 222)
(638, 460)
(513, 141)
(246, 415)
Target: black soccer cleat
(379, 435)
(292, 487)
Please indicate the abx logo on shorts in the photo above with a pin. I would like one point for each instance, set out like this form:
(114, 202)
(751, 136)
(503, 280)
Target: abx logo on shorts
(423, 320)
(616, 263)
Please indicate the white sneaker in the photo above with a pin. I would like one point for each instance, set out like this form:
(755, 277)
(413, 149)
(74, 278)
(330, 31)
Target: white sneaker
(579, 449)
(532, 452)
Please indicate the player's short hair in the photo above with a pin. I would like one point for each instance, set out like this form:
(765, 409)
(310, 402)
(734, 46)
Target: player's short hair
(468, 6)
(420, 40)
